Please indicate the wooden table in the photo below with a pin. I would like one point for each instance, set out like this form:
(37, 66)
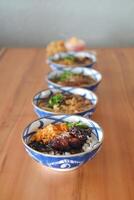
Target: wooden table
(110, 175)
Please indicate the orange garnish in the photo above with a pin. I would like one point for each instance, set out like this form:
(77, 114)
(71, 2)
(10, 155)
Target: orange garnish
(49, 132)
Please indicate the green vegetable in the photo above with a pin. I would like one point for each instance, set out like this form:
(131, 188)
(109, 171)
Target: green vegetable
(79, 124)
(70, 57)
(55, 100)
(65, 75)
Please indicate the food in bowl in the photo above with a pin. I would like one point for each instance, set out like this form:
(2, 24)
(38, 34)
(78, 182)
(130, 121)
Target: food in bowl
(72, 44)
(62, 156)
(63, 60)
(64, 102)
(68, 78)
(63, 138)
(73, 61)
(75, 44)
(75, 77)
(55, 47)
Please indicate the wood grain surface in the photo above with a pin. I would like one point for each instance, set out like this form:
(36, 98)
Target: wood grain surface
(110, 175)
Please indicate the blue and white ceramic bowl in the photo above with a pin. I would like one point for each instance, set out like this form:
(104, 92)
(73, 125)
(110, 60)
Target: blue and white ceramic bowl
(62, 162)
(78, 91)
(55, 66)
(78, 70)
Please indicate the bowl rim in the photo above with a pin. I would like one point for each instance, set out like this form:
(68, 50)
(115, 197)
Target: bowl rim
(96, 146)
(51, 89)
(51, 61)
(61, 71)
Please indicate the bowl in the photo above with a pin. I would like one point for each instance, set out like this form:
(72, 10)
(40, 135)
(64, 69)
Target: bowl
(78, 91)
(55, 66)
(78, 70)
(62, 162)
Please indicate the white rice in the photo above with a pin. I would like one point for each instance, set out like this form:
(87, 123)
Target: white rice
(91, 141)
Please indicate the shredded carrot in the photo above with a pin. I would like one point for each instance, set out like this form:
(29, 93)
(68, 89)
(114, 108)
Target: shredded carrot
(49, 132)
(61, 127)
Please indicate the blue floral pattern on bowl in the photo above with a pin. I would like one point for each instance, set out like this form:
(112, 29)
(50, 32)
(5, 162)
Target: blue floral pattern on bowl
(62, 162)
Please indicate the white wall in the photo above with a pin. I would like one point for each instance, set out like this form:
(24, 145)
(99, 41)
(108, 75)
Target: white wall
(32, 23)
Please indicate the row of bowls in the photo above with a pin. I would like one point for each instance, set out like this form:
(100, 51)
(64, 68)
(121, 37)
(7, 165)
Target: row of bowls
(65, 162)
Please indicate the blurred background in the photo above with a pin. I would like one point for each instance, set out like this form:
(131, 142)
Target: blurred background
(34, 23)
